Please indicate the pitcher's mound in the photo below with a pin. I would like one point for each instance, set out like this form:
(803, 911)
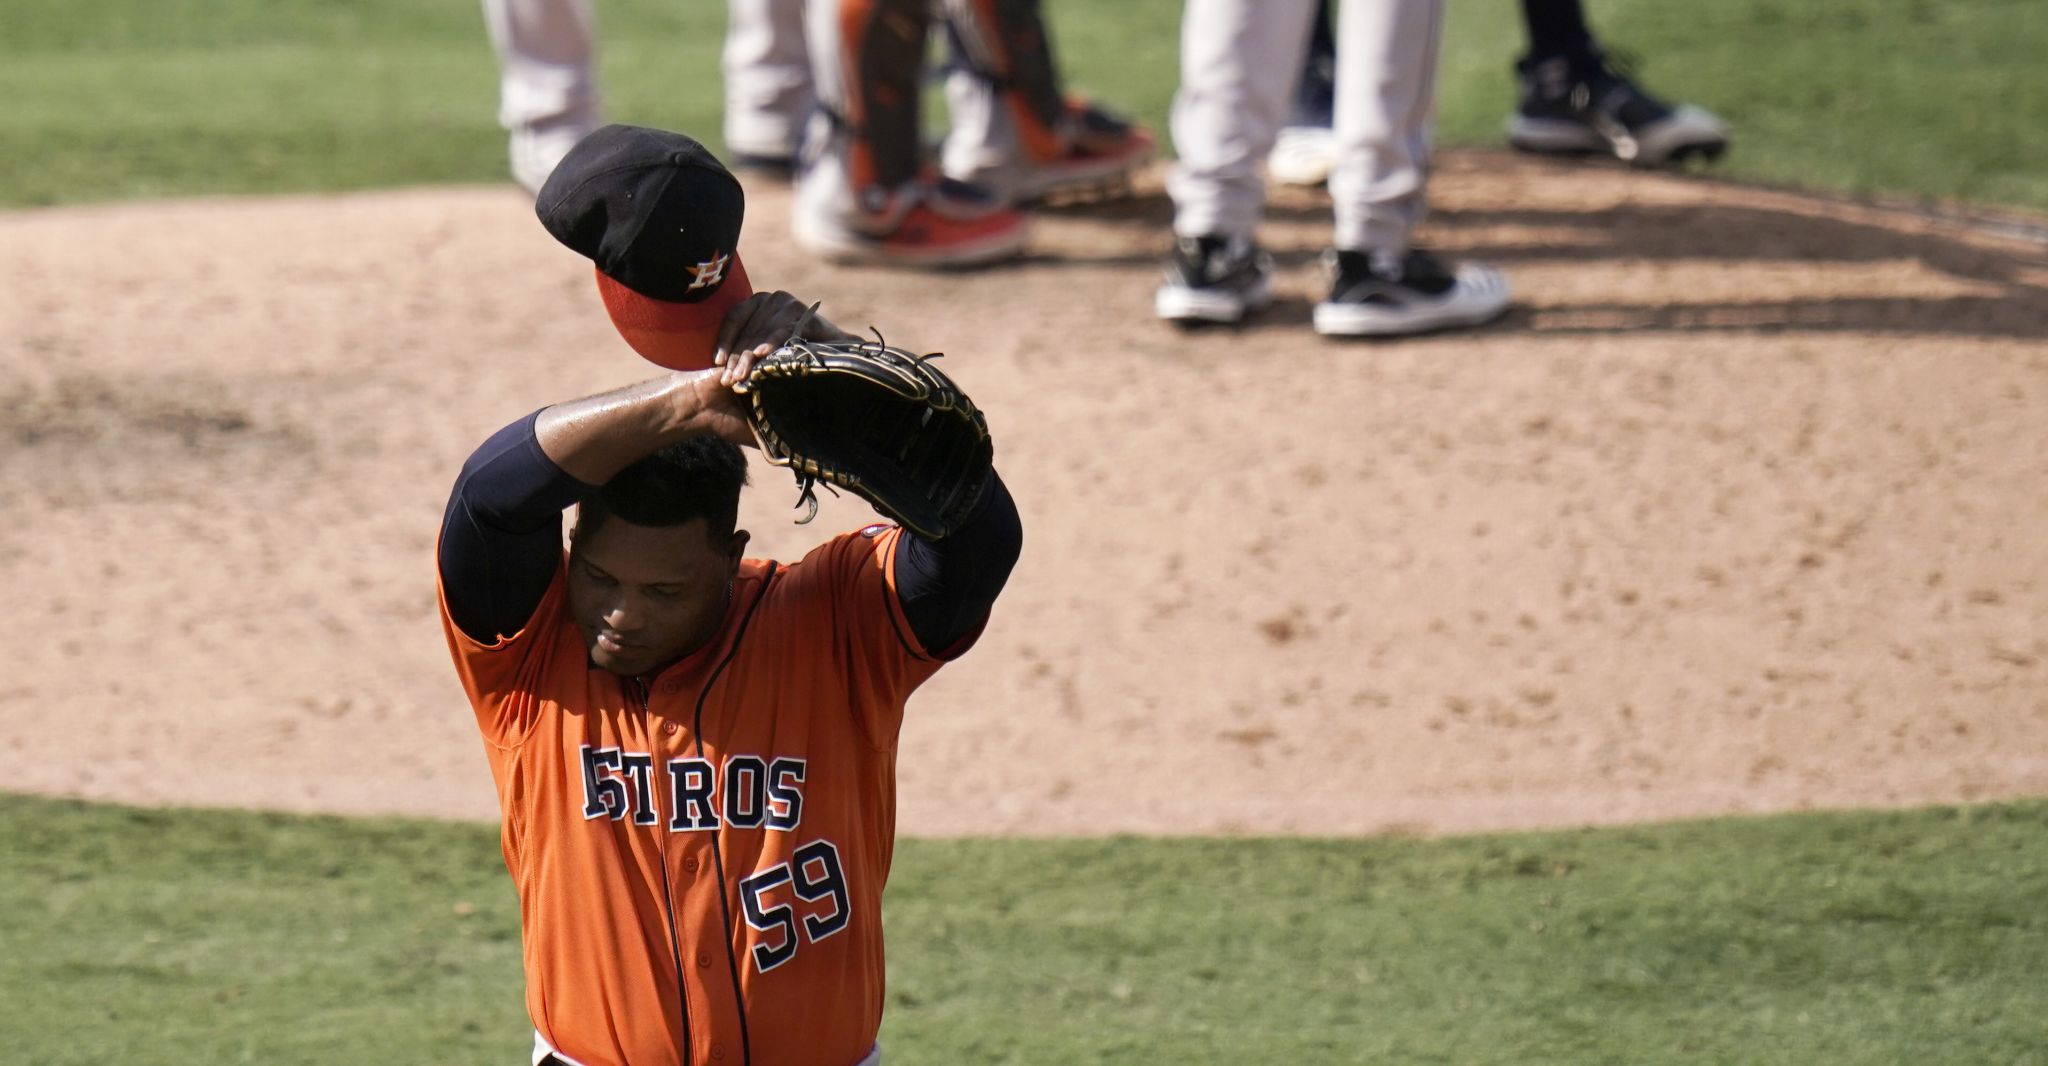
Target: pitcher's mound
(1740, 509)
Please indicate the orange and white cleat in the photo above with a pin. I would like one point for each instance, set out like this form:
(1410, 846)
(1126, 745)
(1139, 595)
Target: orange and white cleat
(1094, 153)
(938, 223)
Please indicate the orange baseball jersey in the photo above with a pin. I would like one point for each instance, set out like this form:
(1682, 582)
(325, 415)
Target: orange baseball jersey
(700, 859)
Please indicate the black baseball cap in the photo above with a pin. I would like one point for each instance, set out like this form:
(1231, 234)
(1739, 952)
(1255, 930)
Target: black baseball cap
(660, 217)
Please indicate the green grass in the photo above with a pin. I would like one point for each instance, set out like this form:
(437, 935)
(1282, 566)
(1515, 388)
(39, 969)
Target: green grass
(1897, 97)
(144, 937)
(123, 98)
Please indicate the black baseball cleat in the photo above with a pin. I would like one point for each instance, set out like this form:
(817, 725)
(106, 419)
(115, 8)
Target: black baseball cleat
(1214, 279)
(1575, 105)
(1415, 294)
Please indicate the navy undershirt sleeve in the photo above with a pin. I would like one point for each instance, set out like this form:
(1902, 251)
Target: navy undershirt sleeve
(947, 586)
(501, 538)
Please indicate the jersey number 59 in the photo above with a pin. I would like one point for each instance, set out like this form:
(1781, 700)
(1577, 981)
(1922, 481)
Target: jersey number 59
(813, 871)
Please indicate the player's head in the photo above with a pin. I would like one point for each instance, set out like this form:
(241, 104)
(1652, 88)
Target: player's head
(660, 217)
(654, 553)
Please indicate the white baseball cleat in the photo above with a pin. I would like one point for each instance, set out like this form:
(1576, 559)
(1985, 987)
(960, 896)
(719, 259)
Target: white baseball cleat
(537, 149)
(1373, 296)
(1303, 155)
(1214, 279)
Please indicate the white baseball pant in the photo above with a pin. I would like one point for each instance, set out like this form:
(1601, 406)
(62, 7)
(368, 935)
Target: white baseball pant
(547, 71)
(1239, 62)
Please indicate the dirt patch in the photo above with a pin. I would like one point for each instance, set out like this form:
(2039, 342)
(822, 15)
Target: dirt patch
(1741, 509)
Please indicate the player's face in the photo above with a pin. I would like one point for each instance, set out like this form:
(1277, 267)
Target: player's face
(646, 596)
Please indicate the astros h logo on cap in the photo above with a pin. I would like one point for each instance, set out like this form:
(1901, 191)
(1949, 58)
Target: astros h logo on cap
(659, 216)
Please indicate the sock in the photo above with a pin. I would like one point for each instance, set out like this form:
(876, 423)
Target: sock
(1315, 95)
(1556, 27)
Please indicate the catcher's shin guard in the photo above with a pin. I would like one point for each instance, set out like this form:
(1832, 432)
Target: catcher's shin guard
(1014, 131)
(869, 58)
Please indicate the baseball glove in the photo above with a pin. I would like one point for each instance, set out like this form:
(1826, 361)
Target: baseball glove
(875, 420)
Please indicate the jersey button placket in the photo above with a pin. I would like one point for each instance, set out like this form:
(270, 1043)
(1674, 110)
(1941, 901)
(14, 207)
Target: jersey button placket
(668, 728)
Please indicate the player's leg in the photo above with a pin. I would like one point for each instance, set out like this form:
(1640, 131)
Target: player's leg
(767, 82)
(1013, 129)
(1237, 64)
(863, 195)
(1574, 98)
(547, 88)
(1306, 149)
(1381, 283)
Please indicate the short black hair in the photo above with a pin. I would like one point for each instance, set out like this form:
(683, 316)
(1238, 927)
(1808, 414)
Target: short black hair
(696, 478)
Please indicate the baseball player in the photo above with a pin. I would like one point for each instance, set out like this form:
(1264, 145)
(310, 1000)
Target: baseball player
(547, 83)
(768, 97)
(1572, 99)
(694, 750)
(549, 98)
(1238, 64)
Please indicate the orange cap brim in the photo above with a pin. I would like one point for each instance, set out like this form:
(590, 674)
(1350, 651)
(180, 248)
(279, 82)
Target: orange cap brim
(678, 336)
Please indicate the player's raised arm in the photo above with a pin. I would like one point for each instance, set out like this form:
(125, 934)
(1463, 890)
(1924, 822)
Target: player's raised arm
(948, 584)
(501, 533)
(890, 425)
(596, 437)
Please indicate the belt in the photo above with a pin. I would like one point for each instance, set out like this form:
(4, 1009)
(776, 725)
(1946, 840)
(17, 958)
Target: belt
(873, 1058)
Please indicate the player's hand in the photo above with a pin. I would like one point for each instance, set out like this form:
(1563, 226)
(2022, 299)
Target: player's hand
(760, 324)
(754, 327)
(715, 408)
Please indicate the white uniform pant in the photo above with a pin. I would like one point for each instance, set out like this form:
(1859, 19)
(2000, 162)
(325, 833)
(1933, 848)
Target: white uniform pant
(767, 66)
(984, 131)
(546, 61)
(1239, 63)
(545, 50)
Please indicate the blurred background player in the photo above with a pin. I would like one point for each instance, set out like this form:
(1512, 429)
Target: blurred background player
(1239, 59)
(1013, 129)
(547, 83)
(865, 193)
(549, 98)
(1572, 98)
(768, 98)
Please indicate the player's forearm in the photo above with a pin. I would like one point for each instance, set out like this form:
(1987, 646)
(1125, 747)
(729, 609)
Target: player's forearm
(596, 437)
(947, 586)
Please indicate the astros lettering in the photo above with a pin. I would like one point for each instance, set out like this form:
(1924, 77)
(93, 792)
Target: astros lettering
(753, 792)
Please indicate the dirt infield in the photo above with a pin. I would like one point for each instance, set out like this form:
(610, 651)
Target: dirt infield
(1741, 509)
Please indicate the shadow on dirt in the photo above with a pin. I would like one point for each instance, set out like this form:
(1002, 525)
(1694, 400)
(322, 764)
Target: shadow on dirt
(1673, 232)
(1665, 232)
